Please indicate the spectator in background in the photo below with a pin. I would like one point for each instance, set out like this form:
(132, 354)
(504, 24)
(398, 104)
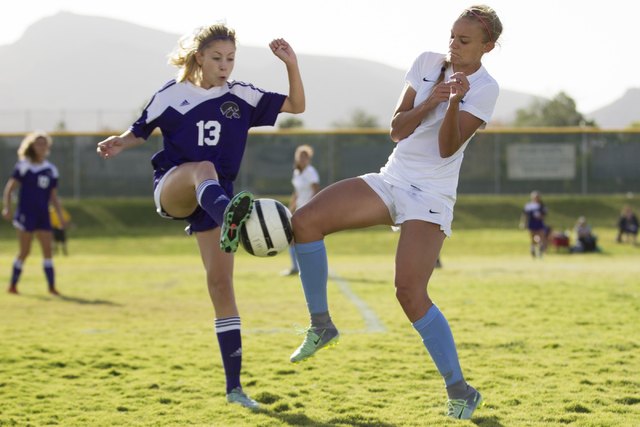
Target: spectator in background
(305, 185)
(627, 224)
(38, 181)
(585, 239)
(59, 232)
(533, 215)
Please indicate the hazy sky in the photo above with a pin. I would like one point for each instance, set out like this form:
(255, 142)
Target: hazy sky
(586, 48)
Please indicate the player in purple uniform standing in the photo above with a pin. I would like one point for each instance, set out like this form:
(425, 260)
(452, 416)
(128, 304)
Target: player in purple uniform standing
(534, 214)
(38, 181)
(205, 118)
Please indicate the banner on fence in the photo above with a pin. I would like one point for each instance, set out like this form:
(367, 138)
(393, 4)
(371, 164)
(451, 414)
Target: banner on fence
(541, 161)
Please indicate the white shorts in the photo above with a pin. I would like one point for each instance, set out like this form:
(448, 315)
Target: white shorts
(405, 205)
(159, 183)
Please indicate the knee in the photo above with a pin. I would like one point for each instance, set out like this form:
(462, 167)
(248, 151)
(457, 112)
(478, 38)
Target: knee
(207, 169)
(302, 222)
(24, 253)
(406, 295)
(219, 283)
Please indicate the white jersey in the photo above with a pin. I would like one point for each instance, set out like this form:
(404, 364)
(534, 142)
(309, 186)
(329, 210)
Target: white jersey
(303, 184)
(415, 164)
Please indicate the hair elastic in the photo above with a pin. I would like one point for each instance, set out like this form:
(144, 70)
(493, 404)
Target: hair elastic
(481, 20)
(223, 37)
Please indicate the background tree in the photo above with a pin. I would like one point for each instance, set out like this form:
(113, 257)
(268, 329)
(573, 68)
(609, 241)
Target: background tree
(291, 123)
(560, 111)
(359, 119)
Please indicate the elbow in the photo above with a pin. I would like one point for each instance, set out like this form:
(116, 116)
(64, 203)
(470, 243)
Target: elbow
(299, 108)
(395, 136)
(446, 153)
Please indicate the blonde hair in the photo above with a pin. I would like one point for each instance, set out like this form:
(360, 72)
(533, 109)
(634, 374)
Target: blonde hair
(25, 151)
(491, 25)
(302, 149)
(184, 55)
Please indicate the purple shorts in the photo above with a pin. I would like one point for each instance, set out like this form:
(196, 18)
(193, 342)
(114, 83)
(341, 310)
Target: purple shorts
(25, 222)
(199, 220)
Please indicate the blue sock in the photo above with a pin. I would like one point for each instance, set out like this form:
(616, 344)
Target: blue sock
(314, 273)
(438, 339)
(213, 199)
(17, 269)
(294, 258)
(47, 264)
(230, 341)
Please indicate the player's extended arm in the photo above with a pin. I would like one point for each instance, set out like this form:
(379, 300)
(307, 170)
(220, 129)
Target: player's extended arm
(114, 145)
(6, 197)
(295, 101)
(293, 201)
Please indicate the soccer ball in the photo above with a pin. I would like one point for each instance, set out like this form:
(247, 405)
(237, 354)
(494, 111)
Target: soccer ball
(267, 232)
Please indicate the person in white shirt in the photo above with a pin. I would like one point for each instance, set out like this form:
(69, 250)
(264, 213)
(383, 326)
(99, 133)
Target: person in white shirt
(445, 100)
(305, 185)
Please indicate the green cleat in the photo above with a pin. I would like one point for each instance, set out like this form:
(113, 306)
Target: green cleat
(316, 339)
(463, 408)
(237, 395)
(236, 213)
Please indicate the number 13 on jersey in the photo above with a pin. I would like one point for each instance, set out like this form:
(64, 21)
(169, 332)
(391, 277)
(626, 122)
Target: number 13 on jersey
(209, 132)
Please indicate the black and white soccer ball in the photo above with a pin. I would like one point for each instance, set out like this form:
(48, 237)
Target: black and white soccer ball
(267, 232)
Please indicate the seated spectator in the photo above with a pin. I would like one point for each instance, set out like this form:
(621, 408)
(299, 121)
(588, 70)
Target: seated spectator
(585, 240)
(627, 224)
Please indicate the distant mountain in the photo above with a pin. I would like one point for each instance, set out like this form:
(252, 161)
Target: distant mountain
(97, 73)
(621, 113)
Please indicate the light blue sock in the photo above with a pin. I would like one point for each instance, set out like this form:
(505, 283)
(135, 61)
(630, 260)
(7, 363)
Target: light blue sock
(438, 339)
(294, 259)
(314, 273)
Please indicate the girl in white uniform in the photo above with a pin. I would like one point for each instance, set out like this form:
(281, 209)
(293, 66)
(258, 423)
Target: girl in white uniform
(446, 98)
(305, 185)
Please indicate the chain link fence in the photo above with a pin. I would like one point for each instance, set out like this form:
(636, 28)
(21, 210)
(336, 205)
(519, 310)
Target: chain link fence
(505, 161)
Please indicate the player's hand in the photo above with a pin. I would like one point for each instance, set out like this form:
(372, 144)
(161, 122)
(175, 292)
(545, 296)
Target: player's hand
(521, 226)
(439, 94)
(110, 147)
(6, 214)
(458, 86)
(283, 50)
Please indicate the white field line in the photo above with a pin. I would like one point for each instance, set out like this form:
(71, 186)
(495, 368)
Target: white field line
(371, 320)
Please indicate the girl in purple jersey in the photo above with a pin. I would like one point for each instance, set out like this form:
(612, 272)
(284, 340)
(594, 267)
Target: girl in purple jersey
(533, 217)
(204, 119)
(38, 180)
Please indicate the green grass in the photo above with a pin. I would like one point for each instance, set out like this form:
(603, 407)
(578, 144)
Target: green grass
(548, 342)
(137, 217)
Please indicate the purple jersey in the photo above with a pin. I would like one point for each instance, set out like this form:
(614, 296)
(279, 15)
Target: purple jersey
(535, 215)
(200, 124)
(36, 182)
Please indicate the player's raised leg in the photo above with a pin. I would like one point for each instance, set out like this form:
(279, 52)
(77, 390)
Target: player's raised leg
(196, 183)
(418, 250)
(348, 204)
(219, 268)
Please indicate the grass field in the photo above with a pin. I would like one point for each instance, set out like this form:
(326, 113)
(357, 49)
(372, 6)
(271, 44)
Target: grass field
(131, 343)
